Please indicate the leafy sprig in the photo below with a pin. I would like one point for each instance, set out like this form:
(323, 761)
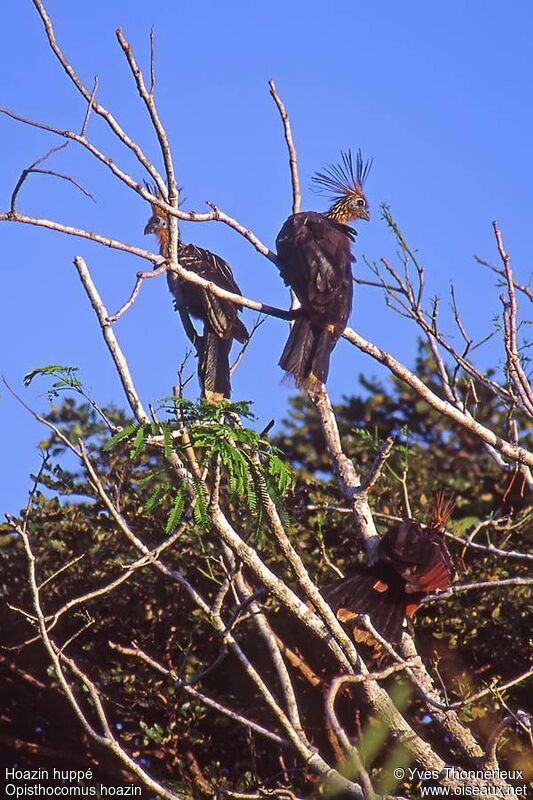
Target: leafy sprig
(254, 468)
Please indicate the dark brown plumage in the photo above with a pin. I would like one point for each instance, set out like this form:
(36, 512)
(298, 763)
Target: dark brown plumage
(221, 323)
(314, 258)
(412, 562)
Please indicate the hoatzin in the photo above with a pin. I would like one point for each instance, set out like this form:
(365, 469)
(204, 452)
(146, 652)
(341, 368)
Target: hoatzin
(314, 258)
(412, 562)
(221, 323)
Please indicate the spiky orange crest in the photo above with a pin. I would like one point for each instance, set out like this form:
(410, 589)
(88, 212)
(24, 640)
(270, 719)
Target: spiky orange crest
(344, 183)
(443, 505)
(153, 189)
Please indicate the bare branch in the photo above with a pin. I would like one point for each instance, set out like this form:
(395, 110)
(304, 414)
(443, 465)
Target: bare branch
(293, 163)
(152, 60)
(260, 320)
(514, 452)
(33, 169)
(89, 97)
(347, 476)
(492, 550)
(83, 234)
(110, 339)
(377, 466)
(519, 286)
(510, 310)
(136, 652)
(521, 718)
(141, 277)
(467, 587)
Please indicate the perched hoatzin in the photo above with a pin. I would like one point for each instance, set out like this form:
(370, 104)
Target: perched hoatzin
(221, 323)
(412, 562)
(314, 258)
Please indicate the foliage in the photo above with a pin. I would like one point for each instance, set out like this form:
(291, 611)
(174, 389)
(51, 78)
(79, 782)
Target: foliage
(158, 722)
(254, 467)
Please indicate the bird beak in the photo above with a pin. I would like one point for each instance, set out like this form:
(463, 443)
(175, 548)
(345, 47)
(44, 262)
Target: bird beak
(365, 214)
(150, 227)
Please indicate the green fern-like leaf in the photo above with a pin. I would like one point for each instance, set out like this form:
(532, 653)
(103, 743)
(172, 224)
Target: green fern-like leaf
(158, 493)
(200, 513)
(138, 442)
(176, 513)
(125, 433)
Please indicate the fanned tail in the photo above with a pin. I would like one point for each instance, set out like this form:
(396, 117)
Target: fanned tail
(239, 331)
(213, 366)
(307, 352)
(366, 593)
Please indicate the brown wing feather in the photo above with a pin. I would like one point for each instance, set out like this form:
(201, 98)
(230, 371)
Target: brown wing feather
(369, 592)
(420, 557)
(221, 315)
(411, 563)
(314, 259)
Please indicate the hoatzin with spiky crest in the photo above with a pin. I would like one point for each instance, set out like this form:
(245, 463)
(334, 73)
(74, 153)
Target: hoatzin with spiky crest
(221, 323)
(412, 563)
(314, 258)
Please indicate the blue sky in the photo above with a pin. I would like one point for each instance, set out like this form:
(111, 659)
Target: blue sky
(438, 93)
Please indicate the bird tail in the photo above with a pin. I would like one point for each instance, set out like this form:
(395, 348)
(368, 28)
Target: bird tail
(213, 367)
(366, 593)
(239, 331)
(307, 352)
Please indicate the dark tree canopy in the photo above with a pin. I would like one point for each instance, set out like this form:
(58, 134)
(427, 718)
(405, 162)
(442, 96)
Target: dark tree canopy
(181, 740)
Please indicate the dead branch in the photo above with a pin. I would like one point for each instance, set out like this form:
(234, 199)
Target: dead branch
(98, 108)
(293, 163)
(512, 451)
(510, 311)
(521, 719)
(519, 286)
(111, 341)
(468, 587)
(136, 652)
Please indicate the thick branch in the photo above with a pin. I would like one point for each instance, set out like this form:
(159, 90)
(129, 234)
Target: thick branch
(110, 339)
(515, 452)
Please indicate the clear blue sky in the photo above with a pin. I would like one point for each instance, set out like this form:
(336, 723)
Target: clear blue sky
(438, 93)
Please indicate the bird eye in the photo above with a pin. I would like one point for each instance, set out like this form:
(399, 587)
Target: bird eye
(360, 202)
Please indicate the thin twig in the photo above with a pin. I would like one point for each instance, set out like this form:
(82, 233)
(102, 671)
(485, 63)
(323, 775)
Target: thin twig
(524, 721)
(296, 192)
(152, 60)
(514, 452)
(468, 587)
(377, 466)
(260, 320)
(519, 286)
(141, 277)
(98, 108)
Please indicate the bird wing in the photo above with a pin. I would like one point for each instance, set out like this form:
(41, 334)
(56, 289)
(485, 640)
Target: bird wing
(368, 592)
(420, 557)
(220, 314)
(314, 259)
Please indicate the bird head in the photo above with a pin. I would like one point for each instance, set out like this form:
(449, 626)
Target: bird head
(343, 183)
(156, 224)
